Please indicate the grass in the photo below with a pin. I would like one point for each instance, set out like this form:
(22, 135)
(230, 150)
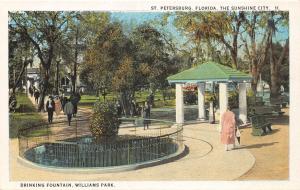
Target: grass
(25, 117)
(140, 96)
(39, 132)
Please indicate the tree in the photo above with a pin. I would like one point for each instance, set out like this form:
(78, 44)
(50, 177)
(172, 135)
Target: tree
(274, 21)
(43, 30)
(256, 49)
(20, 56)
(152, 57)
(258, 38)
(124, 82)
(83, 29)
(283, 69)
(222, 27)
(104, 55)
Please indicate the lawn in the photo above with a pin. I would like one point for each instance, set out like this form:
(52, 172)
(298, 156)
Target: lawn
(26, 116)
(140, 96)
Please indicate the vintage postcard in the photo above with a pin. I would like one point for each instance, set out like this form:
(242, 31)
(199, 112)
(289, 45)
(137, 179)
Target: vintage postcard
(149, 95)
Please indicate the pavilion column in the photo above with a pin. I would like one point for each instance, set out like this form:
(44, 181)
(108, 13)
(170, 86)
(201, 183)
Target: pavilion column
(201, 101)
(179, 104)
(242, 102)
(223, 99)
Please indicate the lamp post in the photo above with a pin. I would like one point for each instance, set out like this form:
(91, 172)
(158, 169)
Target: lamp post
(212, 103)
(57, 75)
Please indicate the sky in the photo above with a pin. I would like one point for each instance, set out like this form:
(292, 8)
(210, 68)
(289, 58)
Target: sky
(135, 18)
(138, 17)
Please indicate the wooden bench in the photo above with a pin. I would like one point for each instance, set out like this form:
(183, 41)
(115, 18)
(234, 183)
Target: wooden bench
(260, 125)
(277, 109)
(259, 101)
(271, 110)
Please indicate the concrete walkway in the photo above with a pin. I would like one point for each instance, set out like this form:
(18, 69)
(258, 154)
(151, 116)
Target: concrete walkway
(205, 160)
(82, 112)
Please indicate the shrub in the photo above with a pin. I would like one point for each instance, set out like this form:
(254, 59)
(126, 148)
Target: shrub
(104, 122)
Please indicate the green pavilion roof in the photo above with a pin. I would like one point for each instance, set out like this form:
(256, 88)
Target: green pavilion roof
(209, 71)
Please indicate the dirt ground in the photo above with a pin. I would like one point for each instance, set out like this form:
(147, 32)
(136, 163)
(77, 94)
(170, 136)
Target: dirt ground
(271, 151)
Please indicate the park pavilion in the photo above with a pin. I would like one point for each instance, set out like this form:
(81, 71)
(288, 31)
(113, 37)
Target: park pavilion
(206, 73)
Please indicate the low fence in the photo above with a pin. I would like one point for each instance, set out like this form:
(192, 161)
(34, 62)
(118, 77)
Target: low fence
(73, 146)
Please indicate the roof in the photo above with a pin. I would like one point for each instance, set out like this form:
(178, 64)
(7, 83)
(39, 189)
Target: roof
(209, 71)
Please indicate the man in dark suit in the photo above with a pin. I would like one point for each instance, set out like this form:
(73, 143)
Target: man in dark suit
(50, 106)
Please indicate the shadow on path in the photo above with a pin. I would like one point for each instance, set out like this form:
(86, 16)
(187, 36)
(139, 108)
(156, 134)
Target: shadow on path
(257, 145)
(185, 152)
(273, 131)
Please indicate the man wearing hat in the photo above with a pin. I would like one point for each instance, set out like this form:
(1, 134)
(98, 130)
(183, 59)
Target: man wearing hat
(50, 106)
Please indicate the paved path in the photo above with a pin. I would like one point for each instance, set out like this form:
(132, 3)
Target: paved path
(206, 160)
(271, 151)
(82, 112)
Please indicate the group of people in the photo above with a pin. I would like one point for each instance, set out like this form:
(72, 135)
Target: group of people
(34, 92)
(230, 130)
(137, 110)
(57, 104)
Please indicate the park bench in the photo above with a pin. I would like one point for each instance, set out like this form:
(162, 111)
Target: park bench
(260, 125)
(277, 109)
(270, 110)
(259, 101)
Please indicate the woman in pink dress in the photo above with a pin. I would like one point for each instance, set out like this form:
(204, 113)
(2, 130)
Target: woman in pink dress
(228, 129)
(57, 105)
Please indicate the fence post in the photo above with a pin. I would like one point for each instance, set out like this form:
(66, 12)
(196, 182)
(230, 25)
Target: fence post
(48, 132)
(128, 151)
(159, 130)
(76, 129)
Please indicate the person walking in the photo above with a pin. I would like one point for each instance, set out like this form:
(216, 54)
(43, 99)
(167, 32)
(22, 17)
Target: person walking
(36, 96)
(118, 108)
(63, 101)
(75, 98)
(146, 115)
(58, 106)
(50, 105)
(69, 110)
(238, 135)
(30, 91)
(228, 129)
(132, 108)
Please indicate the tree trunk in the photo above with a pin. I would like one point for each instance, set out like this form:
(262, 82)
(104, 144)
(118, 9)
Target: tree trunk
(43, 90)
(45, 83)
(57, 77)
(274, 71)
(75, 64)
(274, 77)
(126, 102)
(234, 59)
(255, 74)
(19, 77)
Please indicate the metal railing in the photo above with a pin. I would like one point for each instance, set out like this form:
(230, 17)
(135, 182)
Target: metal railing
(59, 145)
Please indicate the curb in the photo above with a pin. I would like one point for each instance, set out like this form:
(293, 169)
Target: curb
(181, 152)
